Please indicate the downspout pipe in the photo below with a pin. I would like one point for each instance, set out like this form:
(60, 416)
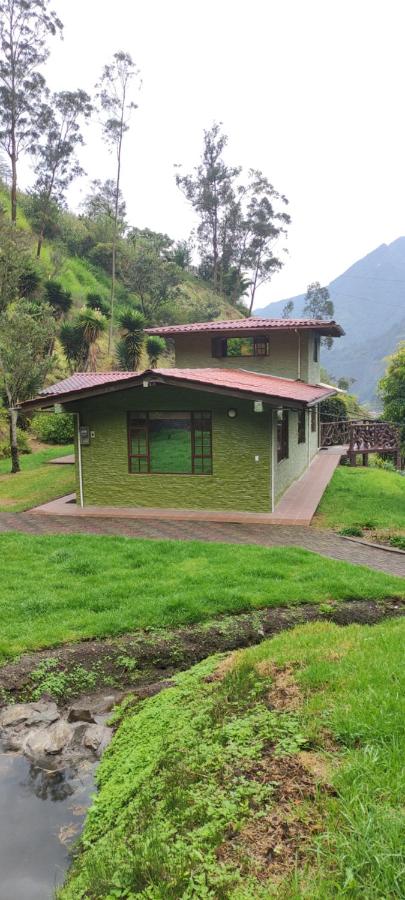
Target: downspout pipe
(79, 461)
(298, 333)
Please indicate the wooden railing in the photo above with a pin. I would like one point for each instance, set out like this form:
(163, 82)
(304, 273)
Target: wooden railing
(362, 436)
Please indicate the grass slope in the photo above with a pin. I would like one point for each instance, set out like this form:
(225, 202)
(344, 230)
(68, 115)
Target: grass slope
(37, 482)
(82, 586)
(208, 789)
(369, 498)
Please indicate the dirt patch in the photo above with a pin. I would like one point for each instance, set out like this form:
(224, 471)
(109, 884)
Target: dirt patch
(147, 657)
(285, 693)
(271, 845)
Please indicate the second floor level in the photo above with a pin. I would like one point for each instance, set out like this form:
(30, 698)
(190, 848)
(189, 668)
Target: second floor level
(289, 348)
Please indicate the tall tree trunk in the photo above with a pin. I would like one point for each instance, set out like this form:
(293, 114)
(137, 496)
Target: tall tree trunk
(40, 242)
(15, 462)
(13, 188)
(114, 246)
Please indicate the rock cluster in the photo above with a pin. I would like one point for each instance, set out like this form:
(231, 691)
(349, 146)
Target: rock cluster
(41, 732)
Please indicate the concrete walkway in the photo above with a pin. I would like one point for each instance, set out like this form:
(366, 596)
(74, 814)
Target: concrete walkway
(299, 503)
(324, 542)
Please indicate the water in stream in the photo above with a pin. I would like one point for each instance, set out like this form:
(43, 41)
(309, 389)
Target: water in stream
(41, 814)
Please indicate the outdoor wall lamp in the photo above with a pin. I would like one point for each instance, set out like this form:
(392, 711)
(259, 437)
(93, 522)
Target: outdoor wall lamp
(232, 413)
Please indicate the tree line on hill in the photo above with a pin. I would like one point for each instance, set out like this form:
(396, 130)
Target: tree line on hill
(241, 221)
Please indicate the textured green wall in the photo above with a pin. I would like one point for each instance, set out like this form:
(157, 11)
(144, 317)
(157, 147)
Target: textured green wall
(194, 351)
(286, 471)
(237, 482)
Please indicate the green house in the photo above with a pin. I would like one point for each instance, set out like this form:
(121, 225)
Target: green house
(229, 427)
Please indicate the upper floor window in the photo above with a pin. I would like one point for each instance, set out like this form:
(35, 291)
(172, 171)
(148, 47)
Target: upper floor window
(301, 426)
(239, 347)
(170, 443)
(317, 343)
(282, 436)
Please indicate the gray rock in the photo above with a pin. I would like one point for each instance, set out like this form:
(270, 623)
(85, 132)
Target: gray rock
(79, 714)
(15, 715)
(48, 741)
(97, 737)
(43, 713)
(39, 713)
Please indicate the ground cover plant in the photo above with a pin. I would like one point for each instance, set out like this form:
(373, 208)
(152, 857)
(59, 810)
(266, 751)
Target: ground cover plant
(276, 772)
(37, 482)
(59, 588)
(370, 499)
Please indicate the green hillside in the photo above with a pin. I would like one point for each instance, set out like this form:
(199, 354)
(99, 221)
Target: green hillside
(193, 299)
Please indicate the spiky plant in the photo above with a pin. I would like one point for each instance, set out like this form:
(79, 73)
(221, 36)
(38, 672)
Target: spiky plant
(92, 324)
(96, 301)
(129, 347)
(75, 350)
(59, 299)
(155, 346)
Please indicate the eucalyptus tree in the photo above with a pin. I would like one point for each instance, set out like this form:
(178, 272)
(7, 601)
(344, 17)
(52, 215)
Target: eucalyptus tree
(210, 188)
(15, 261)
(57, 164)
(318, 305)
(25, 27)
(26, 331)
(240, 221)
(115, 97)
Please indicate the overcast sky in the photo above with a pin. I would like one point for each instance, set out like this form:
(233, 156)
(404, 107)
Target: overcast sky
(310, 91)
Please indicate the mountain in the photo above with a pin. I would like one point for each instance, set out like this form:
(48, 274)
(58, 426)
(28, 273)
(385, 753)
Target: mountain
(369, 300)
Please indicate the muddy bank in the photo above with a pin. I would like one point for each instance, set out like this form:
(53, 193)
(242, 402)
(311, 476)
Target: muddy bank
(139, 660)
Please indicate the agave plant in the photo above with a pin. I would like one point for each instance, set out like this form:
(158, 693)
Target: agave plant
(91, 323)
(155, 346)
(129, 347)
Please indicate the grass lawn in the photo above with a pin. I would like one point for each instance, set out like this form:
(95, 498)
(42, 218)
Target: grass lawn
(65, 587)
(37, 482)
(282, 777)
(369, 498)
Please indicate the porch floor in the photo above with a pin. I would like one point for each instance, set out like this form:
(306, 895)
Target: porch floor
(296, 507)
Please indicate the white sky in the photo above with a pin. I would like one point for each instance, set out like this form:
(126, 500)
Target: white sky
(310, 91)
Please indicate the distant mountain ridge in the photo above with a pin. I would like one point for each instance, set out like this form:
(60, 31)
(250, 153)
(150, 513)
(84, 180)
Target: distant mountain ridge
(369, 300)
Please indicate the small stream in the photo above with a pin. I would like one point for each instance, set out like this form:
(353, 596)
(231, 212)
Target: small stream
(41, 815)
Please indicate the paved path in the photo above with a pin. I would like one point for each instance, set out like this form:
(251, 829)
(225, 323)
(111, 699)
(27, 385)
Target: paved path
(325, 542)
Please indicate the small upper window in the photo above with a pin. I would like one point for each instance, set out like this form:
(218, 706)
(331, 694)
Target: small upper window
(316, 348)
(240, 346)
(301, 426)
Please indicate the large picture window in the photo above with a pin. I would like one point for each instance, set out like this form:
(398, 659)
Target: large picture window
(176, 443)
(240, 346)
(282, 436)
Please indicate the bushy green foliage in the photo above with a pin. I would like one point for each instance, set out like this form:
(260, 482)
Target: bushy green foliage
(53, 428)
(22, 437)
(182, 769)
(181, 777)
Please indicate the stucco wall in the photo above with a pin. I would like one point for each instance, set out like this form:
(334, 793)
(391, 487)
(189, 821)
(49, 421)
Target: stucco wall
(195, 350)
(238, 482)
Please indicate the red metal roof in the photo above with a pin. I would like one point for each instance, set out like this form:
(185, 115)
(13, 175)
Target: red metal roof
(229, 380)
(254, 323)
(83, 381)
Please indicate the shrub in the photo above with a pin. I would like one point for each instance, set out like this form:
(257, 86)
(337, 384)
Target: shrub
(398, 541)
(351, 531)
(22, 440)
(53, 428)
(386, 464)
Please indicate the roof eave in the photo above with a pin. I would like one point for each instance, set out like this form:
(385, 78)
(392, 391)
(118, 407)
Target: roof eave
(275, 400)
